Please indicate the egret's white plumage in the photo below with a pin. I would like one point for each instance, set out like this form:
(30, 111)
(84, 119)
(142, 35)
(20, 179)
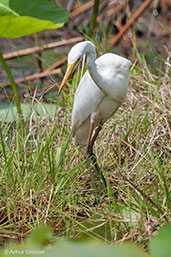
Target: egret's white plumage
(101, 90)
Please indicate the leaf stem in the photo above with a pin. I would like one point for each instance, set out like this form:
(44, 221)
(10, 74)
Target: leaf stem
(94, 17)
(13, 85)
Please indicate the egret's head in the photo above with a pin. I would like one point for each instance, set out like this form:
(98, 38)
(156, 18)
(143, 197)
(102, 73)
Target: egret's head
(77, 51)
(75, 55)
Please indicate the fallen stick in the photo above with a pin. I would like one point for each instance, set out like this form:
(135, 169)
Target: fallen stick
(49, 89)
(36, 49)
(80, 9)
(32, 77)
(112, 11)
(55, 65)
(114, 40)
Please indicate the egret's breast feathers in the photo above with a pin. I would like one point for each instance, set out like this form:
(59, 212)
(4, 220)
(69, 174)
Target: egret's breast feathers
(86, 100)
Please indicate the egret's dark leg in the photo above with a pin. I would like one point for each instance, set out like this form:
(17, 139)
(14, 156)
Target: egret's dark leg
(89, 155)
(89, 150)
(95, 136)
(88, 146)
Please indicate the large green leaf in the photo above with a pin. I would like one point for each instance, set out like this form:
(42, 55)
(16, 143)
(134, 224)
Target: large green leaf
(23, 17)
(8, 113)
(92, 249)
(62, 248)
(160, 246)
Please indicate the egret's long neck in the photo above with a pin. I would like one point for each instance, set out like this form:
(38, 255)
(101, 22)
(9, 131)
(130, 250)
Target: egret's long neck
(92, 68)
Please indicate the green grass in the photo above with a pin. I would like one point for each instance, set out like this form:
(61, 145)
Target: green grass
(45, 180)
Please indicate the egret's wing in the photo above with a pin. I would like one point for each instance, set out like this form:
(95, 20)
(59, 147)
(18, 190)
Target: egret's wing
(114, 73)
(87, 98)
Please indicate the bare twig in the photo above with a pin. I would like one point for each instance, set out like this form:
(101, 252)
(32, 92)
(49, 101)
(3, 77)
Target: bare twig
(36, 49)
(80, 9)
(114, 40)
(48, 89)
(32, 77)
(112, 11)
(55, 65)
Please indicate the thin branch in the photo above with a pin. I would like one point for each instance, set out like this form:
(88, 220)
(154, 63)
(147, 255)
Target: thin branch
(55, 65)
(80, 9)
(36, 49)
(114, 40)
(112, 11)
(32, 77)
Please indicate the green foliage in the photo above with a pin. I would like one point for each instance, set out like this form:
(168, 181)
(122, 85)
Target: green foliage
(160, 246)
(8, 113)
(89, 249)
(32, 246)
(94, 17)
(35, 244)
(40, 237)
(13, 85)
(20, 18)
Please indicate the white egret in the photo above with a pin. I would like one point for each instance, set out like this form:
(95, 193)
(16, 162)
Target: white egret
(100, 92)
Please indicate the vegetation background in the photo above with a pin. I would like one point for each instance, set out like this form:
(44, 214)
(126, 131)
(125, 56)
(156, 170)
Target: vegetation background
(44, 180)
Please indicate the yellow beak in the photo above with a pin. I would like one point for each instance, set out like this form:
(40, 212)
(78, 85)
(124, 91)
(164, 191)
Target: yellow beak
(70, 67)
